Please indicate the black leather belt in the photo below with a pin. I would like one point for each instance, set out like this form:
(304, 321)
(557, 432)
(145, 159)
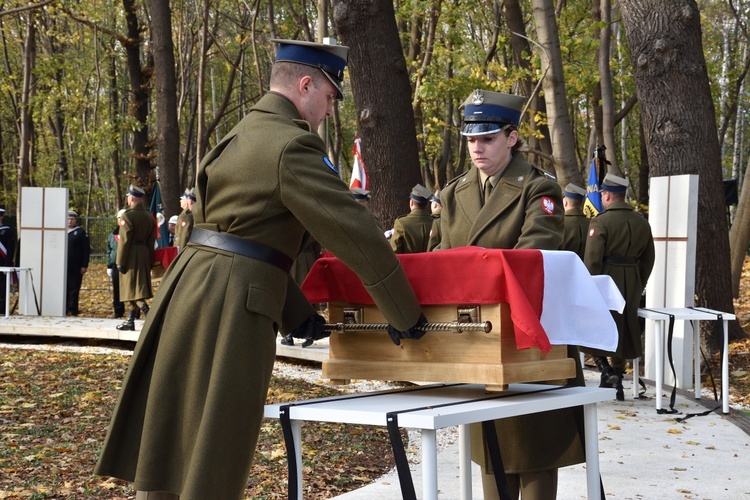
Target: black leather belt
(620, 260)
(229, 243)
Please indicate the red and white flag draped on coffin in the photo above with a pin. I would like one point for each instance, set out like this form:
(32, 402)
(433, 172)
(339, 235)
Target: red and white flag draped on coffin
(546, 291)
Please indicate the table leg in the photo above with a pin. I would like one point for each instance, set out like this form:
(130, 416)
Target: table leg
(593, 484)
(659, 358)
(429, 464)
(26, 288)
(464, 459)
(297, 434)
(635, 378)
(725, 371)
(7, 295)
(696, 326)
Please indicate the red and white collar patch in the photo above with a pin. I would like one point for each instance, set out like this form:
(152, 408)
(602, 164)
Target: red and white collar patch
(122, 222)
(548, 205)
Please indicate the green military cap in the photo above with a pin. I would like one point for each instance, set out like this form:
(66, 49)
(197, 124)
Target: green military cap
(436, 197)
(420, 194)
(614, 184)
(134, 190)
(360, 194)
(330, 58)
(189, 193)
(574, 192)
(487, 112)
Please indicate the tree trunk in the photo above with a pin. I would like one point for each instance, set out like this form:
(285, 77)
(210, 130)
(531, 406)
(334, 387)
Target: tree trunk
(201, 137)
(605, 77)
(382, 99)
(563, 139)
(26, 124)
(139, 97)
(739, 236)
(167, 127)
(680, 130)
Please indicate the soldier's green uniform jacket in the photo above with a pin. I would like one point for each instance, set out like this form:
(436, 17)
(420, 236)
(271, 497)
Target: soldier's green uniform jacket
(435, 233)
(411, 232)
(576, 231)
(525, 210)
(207, 348)
(183, 228)
(135, 253)
(621, 245)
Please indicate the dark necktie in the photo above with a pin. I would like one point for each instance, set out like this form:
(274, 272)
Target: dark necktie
(487, 190)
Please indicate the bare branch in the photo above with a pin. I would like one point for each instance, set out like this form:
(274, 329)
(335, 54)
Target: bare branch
(22, 9)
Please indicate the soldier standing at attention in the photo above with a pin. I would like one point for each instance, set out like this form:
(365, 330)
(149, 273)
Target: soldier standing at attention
(7, 254)
(189, 414)
(576, 223)
(620, 244)
(185, 219)
(505, 202)
(79, 250)
(135, 255)
(436, 207)
(411, 232)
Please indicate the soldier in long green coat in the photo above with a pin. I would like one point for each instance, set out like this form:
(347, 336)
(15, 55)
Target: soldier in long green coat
(504, 202)
(436, 206)
(185, 220)
(135, 255)
(189, 413)
(576, 223)
(620, 244)
(411, 232)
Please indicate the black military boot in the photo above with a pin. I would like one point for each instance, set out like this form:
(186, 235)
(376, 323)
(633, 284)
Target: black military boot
(286, 340)
(144, 310)
(609, 377)
(619, 391)
(129, 323)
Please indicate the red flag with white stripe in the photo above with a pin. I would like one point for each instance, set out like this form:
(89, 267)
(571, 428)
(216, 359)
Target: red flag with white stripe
(359, 178)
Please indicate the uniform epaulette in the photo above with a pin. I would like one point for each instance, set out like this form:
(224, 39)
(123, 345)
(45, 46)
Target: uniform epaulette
(542, 171)
(456, 178)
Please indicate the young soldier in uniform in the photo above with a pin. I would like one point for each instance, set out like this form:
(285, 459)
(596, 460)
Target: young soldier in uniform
(79, 250)
(185, 219)
(504, 202)
(7, 254)
(411, 232)
(436, 207)
(576, 224)
(135, 255)
(191, 406)
(621, 245)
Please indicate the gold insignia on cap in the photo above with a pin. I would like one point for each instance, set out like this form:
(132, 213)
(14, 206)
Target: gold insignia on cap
(477, 97)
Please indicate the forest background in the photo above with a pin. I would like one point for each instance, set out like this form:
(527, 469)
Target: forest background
(96, 94)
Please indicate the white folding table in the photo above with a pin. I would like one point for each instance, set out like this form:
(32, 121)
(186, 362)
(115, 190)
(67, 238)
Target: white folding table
(7, 271)
(660, 316)
(433, 407)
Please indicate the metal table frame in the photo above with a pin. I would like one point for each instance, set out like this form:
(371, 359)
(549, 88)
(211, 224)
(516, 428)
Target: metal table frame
(460, 405)
(660, 317)
(7, 271)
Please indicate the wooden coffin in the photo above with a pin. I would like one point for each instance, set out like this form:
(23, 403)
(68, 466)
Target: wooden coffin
(470, 357)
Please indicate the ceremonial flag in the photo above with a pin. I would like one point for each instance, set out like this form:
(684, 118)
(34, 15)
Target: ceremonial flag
(359, 178)
(157, 207)
(593, 204)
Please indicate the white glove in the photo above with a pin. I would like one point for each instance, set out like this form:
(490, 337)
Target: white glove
(109, 271)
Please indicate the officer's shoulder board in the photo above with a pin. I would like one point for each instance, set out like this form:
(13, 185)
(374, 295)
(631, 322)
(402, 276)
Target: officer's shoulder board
(543, 172)
(456, 178)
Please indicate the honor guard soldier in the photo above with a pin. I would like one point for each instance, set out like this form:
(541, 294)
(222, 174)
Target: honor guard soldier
(505, 202)
(620, 244)
(435, 207)
(7, 254)
(135, 255)
(185, 220)
(79, 250)
(190, 411)
(411, 232)
(576, 223)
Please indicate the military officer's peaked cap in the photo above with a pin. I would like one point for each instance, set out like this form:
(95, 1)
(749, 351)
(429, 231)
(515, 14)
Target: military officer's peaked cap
(72, 213)
(173, 219)
(360, 194)
(420, 194)
(120, 212)
(189, 193)
(436, 197)
(614, 184)
(574, 192)
(487, 112)
(328, 57)
(2, 211)
(134, 190)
